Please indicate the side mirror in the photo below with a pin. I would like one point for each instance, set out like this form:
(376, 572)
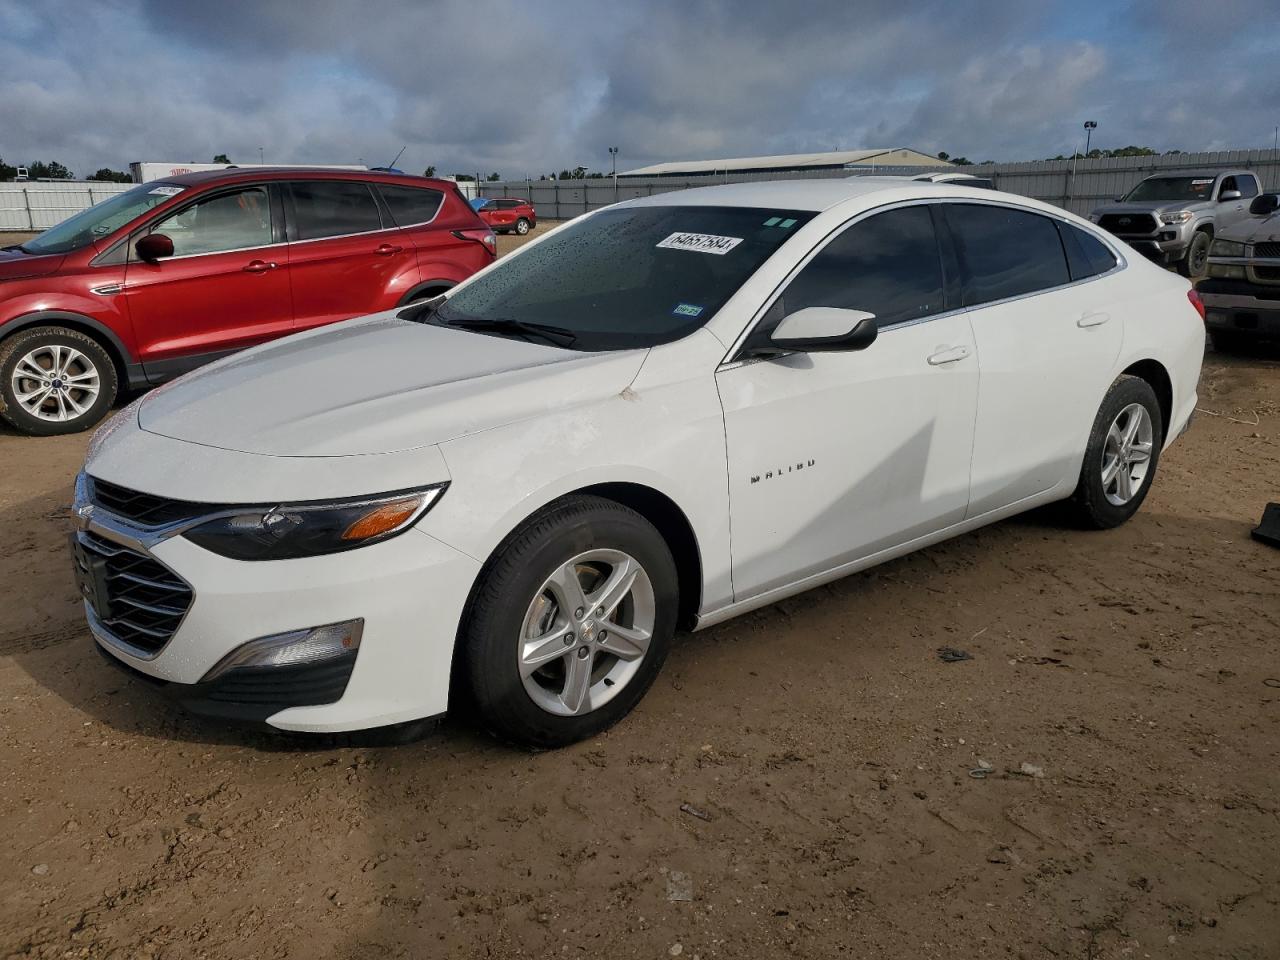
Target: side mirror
(825, 329)
(1265, 204)
(1226, 195)
(153, 247)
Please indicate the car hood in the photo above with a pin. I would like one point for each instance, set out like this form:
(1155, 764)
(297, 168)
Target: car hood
(1151, 206)
(1254, 230)
(377, 385)
(14, 264)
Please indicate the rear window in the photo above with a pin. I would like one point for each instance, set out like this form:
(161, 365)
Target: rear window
(333, 208)
(1005, 252)
(629, 277)
(411, 205)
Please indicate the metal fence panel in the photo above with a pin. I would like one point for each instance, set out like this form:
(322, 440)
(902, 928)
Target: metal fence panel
(1078, 185)
(38, 206)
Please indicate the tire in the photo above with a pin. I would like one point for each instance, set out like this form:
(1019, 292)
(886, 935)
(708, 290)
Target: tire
(1103, 504)
(519, 595)
(71, 406)
(1196, 263)
(522, 226)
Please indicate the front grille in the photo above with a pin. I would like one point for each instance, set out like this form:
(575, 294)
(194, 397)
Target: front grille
(1269, 250)
(1134, 223)
(145, 601)
(144, 508)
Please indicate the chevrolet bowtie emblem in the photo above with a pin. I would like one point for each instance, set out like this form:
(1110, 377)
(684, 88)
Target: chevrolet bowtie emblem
(83, 513)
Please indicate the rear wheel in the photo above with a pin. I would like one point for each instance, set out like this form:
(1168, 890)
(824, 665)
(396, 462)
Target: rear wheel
(570, 624)
(522, 226)
(55, 380)
(1121, 457)
(1196, 263)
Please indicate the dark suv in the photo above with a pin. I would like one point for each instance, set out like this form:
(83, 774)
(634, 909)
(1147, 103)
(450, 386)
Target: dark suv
(172, 274)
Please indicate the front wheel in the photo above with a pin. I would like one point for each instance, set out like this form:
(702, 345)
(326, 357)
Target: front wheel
(1121, 457)
(54, 380)
(570, 624)
(1196, 263)
(522, 226)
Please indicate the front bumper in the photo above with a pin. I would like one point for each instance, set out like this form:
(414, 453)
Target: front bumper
(1164, 247)
(1240, 306)
(410, 592)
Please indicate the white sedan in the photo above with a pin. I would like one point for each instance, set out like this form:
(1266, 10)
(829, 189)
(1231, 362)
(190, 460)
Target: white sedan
(665, 413)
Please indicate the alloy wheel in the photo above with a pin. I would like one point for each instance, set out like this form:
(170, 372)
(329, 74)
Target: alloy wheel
(56, 382)
(586, 632)
(1126, 455)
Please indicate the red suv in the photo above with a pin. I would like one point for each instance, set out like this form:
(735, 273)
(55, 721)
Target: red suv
(175, 273)
(505, 214)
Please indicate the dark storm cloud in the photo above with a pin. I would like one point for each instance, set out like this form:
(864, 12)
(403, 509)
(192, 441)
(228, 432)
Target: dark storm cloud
(531, 87)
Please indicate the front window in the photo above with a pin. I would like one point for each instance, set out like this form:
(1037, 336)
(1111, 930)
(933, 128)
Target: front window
(1188, 189)
(102, 219)
(237, 220)
(628, 277)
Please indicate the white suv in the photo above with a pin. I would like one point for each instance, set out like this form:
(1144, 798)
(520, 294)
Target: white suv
(667, 412)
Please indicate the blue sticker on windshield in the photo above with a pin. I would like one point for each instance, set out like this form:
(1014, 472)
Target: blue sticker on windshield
(686, 310)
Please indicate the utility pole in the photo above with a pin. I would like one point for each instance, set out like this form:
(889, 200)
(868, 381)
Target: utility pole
(613, 155)
(260, 155)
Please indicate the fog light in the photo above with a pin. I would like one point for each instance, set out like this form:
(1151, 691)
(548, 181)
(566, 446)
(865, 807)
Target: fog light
(294, 648)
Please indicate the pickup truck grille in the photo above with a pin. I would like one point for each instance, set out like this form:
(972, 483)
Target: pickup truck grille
(144, 600)
(1128, 223)
(1268, 250)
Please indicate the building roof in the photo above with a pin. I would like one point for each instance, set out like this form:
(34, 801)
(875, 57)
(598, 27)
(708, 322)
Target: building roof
(884, 156)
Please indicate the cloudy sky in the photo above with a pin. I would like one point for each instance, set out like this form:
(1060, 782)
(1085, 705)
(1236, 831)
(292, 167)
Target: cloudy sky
(529, 87)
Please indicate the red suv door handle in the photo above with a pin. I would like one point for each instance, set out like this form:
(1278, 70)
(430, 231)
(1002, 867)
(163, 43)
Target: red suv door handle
(387, 250)
(258, 266)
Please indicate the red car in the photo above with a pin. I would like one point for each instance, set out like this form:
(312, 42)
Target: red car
(505, 214)
(175, 273)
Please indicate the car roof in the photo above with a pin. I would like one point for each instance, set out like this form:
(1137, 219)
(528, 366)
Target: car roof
(258, 174)
(815, 195)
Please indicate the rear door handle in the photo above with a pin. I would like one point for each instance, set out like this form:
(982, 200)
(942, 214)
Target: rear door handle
(1093, 319)
(947, 355)
(259, 266)
(387, 250)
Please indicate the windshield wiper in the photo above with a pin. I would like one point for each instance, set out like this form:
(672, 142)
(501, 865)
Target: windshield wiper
(557, 336)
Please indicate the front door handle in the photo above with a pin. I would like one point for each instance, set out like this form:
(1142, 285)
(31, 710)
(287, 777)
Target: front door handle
(947, 355)
(259, 266)
(387, 250)
(1093, 319)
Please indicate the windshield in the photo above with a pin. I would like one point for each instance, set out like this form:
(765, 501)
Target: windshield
(629, 277)
(1172, 188)
(101, 219)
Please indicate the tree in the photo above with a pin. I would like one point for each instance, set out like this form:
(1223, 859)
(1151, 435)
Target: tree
(962, 161)
(464, 177)
(111, 176)
(493, 176)
(52, 170)
(221, 158)
(430, 171)
(943, 155)
(7, 172)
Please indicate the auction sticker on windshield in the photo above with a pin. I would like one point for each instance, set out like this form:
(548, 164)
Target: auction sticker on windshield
(167, 191)
(700, 242)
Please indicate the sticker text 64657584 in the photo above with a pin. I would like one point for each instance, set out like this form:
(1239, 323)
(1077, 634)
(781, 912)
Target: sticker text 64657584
(700, 243)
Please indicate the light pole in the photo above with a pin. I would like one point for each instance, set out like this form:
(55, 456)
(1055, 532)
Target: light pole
(1089, 127)
(260, 160)
(613, 156)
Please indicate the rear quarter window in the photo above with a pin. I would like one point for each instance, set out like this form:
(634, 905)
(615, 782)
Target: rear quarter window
(411, 205)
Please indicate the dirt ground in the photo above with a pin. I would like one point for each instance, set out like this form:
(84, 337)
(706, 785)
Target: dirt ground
(797, 783)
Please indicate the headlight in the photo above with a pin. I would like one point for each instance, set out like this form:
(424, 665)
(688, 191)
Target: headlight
(1226, 248)
(287, 531)
(1171, 219)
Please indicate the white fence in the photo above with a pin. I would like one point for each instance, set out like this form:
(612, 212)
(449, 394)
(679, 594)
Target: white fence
(38, 206)
(1079, 186)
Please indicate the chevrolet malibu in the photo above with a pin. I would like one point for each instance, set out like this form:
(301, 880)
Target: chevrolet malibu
(662, 414)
